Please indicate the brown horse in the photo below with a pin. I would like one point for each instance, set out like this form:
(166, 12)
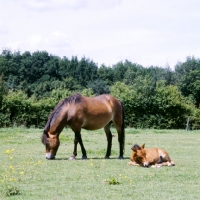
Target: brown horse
(90, 113)
(149, 157)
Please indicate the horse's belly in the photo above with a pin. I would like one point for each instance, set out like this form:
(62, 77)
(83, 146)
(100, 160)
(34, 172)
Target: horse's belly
(96, 123)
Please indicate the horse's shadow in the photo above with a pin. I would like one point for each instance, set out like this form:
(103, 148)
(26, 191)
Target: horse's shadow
(93, 158)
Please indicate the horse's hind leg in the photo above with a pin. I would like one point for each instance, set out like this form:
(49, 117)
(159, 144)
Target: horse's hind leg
(121, 139)
(118, 121)
(109, 140)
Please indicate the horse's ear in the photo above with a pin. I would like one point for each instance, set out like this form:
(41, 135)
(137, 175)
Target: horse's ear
(143, 146)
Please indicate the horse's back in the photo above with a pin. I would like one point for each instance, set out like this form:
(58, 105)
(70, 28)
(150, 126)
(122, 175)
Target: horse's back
(95, 112)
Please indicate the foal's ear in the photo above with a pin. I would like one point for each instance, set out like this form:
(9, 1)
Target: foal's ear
(134, 149)
(143, 146)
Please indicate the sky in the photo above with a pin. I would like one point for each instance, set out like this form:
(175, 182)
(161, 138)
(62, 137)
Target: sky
(147, 32)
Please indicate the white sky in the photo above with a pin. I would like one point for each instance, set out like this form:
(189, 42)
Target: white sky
(147, 32)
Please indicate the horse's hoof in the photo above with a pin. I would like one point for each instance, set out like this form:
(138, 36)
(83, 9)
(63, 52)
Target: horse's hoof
(72, 158)
(120, 157)
(84, 157)
(51, 158)
(107, 157)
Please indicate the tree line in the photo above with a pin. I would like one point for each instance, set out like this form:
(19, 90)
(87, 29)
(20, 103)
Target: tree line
(31, 84)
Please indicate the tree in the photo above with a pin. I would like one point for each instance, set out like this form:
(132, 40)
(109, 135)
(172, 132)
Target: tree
(106, 74)
(170, 107)
(3, 89)
(86, 71)
(119, 71)
(187, 78)
(99, 87)
(127, 96)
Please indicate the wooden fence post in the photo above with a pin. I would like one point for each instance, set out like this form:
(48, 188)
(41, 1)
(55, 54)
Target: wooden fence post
(188, 124)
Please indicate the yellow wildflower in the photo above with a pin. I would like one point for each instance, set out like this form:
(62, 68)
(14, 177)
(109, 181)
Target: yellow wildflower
(22, 173)
(7, 151)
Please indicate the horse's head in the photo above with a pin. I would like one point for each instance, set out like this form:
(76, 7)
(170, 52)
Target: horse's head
(52, 143)
(139, 155)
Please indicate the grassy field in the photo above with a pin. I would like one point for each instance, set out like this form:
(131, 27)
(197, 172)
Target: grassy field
(26, 174)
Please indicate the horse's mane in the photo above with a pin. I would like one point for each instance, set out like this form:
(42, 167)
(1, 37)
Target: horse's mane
(136, 146)
(75, 98)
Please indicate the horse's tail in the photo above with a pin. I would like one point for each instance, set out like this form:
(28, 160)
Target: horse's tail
(122, 129)
(44, 137)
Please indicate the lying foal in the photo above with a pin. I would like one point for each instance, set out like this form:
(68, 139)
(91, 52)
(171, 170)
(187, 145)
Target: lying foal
(154, 157)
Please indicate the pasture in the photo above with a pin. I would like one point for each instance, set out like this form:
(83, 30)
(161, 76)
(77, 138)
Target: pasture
(26, 174)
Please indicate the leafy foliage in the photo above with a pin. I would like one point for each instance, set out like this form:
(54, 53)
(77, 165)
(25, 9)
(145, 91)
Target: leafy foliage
(31, 84)
(188, 78)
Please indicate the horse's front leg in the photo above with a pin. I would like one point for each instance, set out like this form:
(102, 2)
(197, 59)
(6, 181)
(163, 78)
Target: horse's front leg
(78, 139)
(73, 156)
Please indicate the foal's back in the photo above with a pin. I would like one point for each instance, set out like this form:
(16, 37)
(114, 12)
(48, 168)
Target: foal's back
(153, 155)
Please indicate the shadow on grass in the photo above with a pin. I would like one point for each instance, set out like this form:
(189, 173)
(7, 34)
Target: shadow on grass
(93, 158)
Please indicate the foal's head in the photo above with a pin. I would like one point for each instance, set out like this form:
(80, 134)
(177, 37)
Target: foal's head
(139, 155)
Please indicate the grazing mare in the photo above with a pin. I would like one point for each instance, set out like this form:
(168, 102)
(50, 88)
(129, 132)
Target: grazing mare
(149, 157)
(90, 113)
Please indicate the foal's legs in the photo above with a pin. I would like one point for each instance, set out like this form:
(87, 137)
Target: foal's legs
(166, 160)
(109, 140)
(78, 139)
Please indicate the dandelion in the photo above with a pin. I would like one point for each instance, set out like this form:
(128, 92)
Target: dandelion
(22, 173)
(125, 176)
(11, 158)
(39, 161)
(7, 152)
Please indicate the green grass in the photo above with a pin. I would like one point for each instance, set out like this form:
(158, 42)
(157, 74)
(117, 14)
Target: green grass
(97, 178)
